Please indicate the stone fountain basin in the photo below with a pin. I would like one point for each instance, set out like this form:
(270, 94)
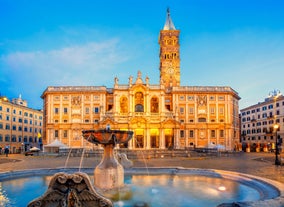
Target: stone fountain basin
(271, 192)
(104, 136)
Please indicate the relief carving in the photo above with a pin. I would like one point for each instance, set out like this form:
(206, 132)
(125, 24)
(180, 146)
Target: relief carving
(71, 190)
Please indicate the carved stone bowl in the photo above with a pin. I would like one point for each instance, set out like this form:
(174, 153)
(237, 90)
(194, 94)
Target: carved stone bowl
(106, 136)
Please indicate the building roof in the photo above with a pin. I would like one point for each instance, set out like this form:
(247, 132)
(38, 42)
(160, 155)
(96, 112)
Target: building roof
(169, 25)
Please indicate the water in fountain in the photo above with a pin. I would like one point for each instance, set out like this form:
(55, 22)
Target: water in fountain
(188, 187)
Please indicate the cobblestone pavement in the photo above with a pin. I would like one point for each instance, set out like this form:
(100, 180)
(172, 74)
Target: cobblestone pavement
(258, 164)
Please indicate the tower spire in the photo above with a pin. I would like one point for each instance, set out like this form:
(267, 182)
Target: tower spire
(169, 25)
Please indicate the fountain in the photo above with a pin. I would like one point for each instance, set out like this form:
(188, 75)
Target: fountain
(75, 189)
(109, 174)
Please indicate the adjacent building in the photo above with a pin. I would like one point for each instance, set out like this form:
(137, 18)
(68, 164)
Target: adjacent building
(258, 123)
(165, 115)
(20, 126)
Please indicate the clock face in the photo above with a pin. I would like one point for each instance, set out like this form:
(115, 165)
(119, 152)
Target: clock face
(170, 71)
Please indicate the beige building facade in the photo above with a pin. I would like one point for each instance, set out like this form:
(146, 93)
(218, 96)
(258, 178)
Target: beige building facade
(20, 126)
(163, 116)
(258, 122)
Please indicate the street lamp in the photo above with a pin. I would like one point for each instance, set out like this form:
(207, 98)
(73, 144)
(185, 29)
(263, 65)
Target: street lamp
(277, 160)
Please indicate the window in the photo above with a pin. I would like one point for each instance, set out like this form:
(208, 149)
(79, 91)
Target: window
(20, 120)
(1, 126)
(139, 108)
(7, 138)
(8, 110)
(221, 98)
(201, 119)
(181, 98)
(191, 110)
(14, 127)
(14, 138)
(56, 110)
(212, 110)
(65, 133)
(191, 133)
(7, 118)
(221, 110)
(19, 128)
(154, 105)
(181, 133)
(87, 110)
(65, 110)
(1, 138)
(221, 133)
(190, 98)
(56, 133)
(96, 110)
(213, 133)
(181, 109)
(7, 126)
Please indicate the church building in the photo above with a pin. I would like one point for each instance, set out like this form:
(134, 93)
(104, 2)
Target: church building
(165, 115)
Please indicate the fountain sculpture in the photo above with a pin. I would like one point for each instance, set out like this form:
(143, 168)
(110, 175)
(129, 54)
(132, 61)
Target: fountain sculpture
(74, 190)
(109, 174)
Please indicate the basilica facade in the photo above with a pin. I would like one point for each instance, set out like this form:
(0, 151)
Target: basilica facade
(165, 115)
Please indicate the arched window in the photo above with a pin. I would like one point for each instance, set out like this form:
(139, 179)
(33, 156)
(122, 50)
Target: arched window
(139, 102)
(154, 105)
(123, 105)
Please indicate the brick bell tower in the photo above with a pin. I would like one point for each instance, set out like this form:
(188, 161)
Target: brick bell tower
(169, 54)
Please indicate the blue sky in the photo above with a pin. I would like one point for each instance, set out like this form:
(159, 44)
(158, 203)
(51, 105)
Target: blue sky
(236, 43)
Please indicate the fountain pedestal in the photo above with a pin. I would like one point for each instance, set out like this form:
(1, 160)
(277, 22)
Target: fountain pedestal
(109, 174)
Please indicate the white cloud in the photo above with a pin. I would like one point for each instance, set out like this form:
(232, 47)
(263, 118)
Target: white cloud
(65, 65)
(92, 63)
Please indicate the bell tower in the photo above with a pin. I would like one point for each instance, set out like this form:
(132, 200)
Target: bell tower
(169, 54)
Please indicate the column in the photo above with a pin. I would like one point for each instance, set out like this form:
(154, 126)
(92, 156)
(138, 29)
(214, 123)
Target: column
(162, 138)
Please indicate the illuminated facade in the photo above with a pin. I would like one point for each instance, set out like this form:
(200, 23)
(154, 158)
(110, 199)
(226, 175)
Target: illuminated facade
(20, 126)
(257, 123)
(162, 116)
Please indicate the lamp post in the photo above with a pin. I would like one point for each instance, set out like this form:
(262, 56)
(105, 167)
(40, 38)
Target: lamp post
(277, 160)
